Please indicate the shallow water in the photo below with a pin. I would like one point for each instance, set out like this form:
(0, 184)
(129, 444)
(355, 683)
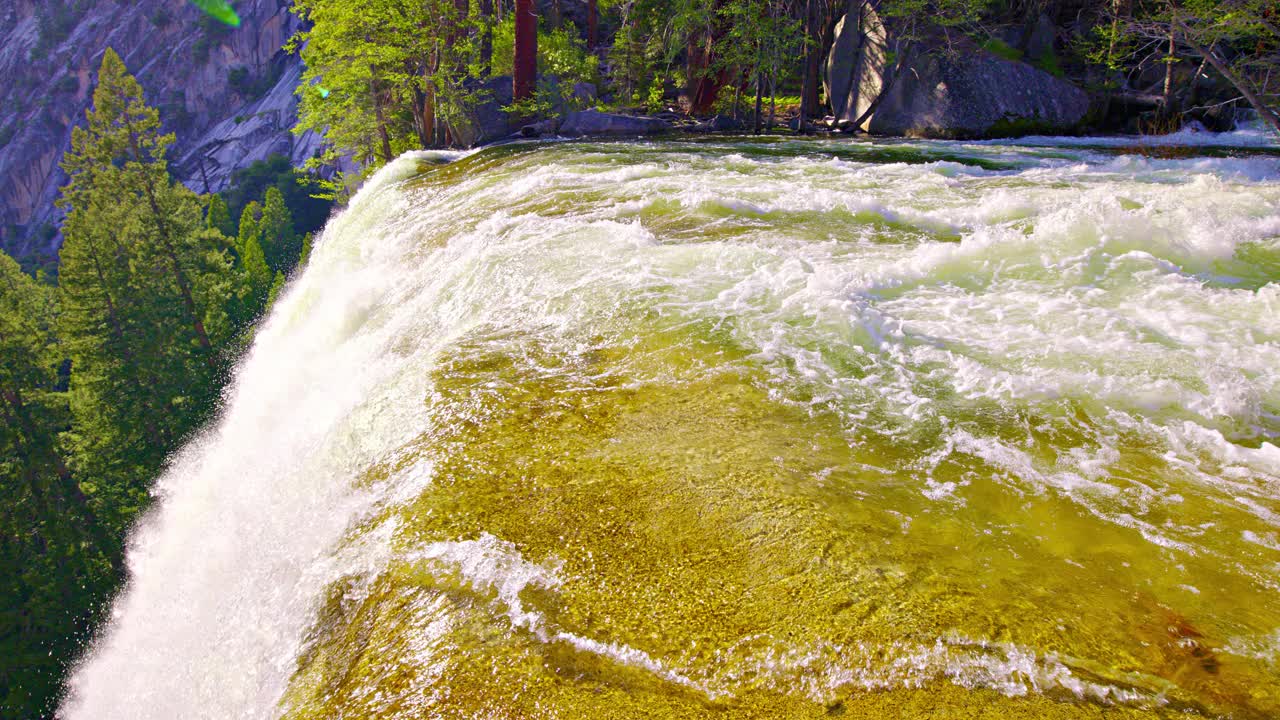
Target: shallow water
(741, 428)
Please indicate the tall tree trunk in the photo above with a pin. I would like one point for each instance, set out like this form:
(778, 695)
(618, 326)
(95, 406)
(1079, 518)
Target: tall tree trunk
(759, 95)
(1242, 84)
(1169, 60)
(843, 103)
(593, 28)
(525, 62)
(419, 110)
(429, 105)
(773, 95)
(162, 229)
(486, 38)
(809, 80)
(381, 120)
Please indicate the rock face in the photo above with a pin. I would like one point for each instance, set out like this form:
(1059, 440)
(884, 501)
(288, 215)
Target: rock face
(486, 122)
(938, 85)
(591, 122)
(227, 93)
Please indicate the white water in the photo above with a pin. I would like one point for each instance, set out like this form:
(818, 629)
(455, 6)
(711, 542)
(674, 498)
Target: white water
(1111, 284)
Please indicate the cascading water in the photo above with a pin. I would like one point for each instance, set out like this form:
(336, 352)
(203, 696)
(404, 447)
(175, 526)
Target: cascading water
(748, 429)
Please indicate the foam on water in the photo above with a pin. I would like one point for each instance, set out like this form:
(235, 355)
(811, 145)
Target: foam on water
(1004, 357)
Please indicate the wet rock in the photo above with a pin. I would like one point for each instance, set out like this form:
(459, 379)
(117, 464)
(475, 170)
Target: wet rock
(718, 123)
(541, 128)
(591, 122)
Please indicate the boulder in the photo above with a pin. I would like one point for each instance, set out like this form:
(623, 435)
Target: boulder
(937, 84)
(584, 93)
(1040, 44)
(591, 122)
(486, 121)
(717, 123)
(540, 128)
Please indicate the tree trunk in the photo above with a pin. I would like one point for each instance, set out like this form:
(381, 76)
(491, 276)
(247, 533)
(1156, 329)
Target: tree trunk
(1243, 85)
(162, 228)
(420, 117)
(486, 38)
(593, 29)
(429, 106)
(1167, 95)
(525, 62)
(809, 80)
(381, 120)
(844, 103)
(773, 95)
(759, 96)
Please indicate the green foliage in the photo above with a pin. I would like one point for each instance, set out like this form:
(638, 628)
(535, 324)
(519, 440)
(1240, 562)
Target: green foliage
(257, 275)
(280, 243)
(1000, 48)
(561, 54)
(154, 302)
(49, 538)
(372, 67)
(298, 189)
(1050, 64)
(277, 286)
(139, 279)
(218, 216)
(148, 314)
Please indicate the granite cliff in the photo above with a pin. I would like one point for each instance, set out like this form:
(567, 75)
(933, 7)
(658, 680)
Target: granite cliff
(227, 93)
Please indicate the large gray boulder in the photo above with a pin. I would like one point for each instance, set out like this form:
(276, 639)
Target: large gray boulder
(592, 122)
(486, 121)
(939, 85)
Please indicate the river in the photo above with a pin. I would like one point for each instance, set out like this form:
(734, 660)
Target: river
(741, 428)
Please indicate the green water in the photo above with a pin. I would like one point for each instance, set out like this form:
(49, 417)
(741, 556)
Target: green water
(768, 429)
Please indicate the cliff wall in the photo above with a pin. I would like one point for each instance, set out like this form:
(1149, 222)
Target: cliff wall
(226, 92)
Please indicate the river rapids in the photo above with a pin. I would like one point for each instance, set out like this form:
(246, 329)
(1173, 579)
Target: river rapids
(744, 429)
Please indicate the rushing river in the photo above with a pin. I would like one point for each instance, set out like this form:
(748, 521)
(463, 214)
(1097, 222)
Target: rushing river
(741, 429)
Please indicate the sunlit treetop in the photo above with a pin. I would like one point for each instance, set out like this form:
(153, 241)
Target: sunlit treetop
(219, 10)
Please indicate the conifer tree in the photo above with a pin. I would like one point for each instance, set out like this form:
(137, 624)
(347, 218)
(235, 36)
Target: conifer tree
(277, 286)
(250, 227)
(59, 553)
(142, 284)
(257, 275)
(279, 242)
(219, 217)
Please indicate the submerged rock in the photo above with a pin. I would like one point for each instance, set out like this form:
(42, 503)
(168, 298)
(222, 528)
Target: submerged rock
(940, 85)
(592, 122)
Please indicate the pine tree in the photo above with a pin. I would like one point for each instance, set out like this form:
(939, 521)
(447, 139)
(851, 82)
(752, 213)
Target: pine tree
(277, 286)
(258, 275)
(143, 284)
(279, 242)
(51, 537)
(250, 227)
(219, 217)
(305, 256)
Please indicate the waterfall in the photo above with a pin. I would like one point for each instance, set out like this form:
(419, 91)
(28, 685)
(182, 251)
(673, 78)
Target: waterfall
(628, 430)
